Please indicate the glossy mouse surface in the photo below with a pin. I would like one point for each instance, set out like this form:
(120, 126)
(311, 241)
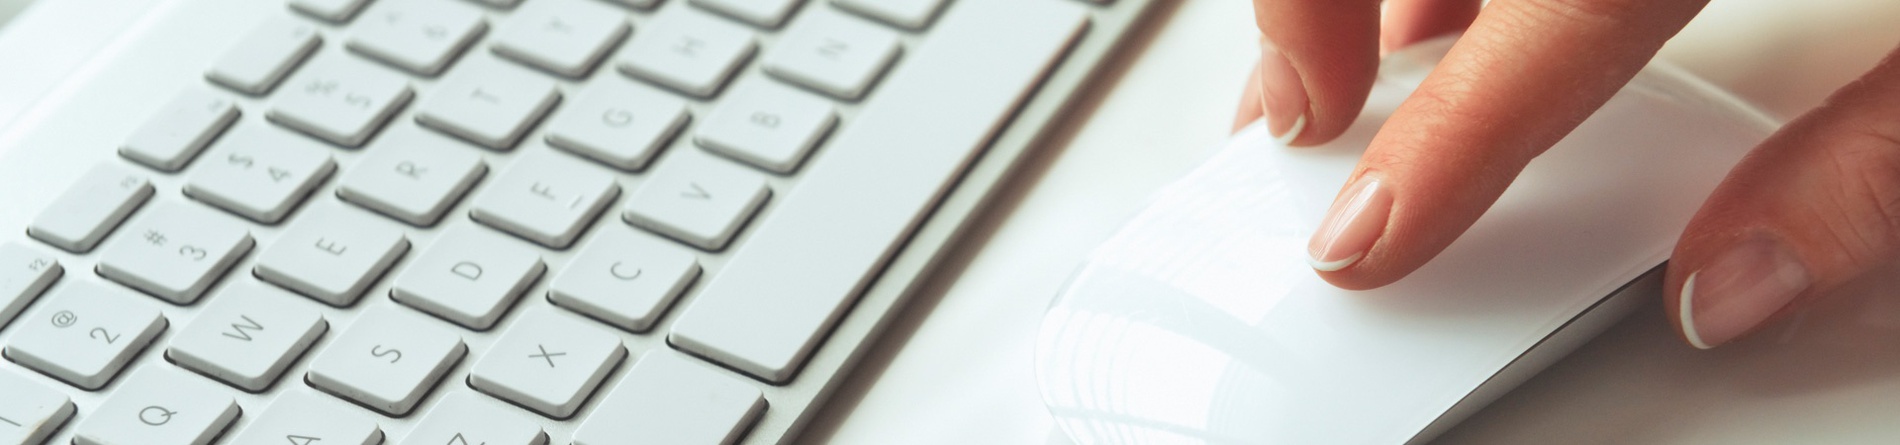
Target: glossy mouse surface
(1201, 321)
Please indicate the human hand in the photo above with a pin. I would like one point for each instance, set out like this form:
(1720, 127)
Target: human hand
(1812, 207)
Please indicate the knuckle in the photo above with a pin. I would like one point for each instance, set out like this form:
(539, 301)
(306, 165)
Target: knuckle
(1867, 174)
(1534, 12)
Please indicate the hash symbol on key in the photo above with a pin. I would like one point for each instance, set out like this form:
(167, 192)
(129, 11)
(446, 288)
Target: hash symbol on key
(545, 355)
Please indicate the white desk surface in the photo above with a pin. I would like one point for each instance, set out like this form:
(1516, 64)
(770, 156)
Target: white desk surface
(955, 368)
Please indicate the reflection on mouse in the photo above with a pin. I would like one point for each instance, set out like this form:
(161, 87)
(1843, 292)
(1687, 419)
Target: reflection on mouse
(1201, 321)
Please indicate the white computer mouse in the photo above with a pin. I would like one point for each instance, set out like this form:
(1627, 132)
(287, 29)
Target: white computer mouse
(1201, 321)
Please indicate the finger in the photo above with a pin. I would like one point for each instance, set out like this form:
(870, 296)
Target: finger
(1524, 75)
(1250, 107)
(1813, 207)
(1318, 59)
(1411, 21)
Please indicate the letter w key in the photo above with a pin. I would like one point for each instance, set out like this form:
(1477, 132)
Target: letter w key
(238, 330)
(248, 334)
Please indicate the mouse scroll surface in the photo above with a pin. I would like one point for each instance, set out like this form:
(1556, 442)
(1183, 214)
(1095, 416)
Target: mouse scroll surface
(1200, 321)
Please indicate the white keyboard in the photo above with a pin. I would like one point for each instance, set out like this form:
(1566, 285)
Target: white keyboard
(520, 221)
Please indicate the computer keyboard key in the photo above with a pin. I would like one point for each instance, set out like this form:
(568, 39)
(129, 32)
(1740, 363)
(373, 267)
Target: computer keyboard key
(413, 176)
(546, 198)
(566, 37)
(84, 333)
(175, 251)
(492, 105)
(499, 3)
(332, 255)
(833, 53)
(771, 304)
(768, 125)
(160, 405)
(248, 335)
(688, 50)
(548, 362)
(30, 413)
(421, 36)
(338, 11)
(619, 123)
(665, 399)
(260, 172)
(178, 131)
(464, 418)
(908, 14)
(268, 53)
(301, 418)
(341, 102)
(625, 278)
(764, 13)
(386, 361)
(91, 208)
(24, 274)
(469, 277)
(698, 200)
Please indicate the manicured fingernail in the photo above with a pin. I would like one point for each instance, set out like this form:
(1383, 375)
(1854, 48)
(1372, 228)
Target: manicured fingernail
(1351, 226)
(1282, 94)
(1740, 289)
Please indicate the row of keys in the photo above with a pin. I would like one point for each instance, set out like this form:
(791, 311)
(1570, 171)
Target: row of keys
(386, 361)
(664, 399)
(176, 251)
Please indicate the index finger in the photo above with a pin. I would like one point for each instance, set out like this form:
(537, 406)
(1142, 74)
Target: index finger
(1525, 74)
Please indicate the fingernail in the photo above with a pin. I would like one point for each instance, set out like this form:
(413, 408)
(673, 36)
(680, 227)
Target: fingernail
(1740, 289)
(1282, 94)
(1351, 226)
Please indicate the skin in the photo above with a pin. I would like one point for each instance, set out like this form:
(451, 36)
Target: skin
(1527, 72)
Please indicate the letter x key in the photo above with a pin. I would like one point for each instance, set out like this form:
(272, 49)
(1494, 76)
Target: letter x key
(545, 355)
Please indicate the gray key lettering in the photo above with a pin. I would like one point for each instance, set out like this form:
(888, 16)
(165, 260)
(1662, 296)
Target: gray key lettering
(102, 334)
(410, 169)
(689, 46)
(697, 192)
(467, 270)
(617, 118)
(834, 49)
(324, 244)
(156, 415)
(623, 276)
(545, 355)
(378, 351)
(196, 254)
(543, 190)
(302, 440)
(238, 331)
(484, 96)
(764, 119)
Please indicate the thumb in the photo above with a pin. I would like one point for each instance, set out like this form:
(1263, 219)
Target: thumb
(1813, 207)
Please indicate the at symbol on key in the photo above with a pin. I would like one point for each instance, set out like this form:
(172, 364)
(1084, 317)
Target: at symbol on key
(545, 355)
